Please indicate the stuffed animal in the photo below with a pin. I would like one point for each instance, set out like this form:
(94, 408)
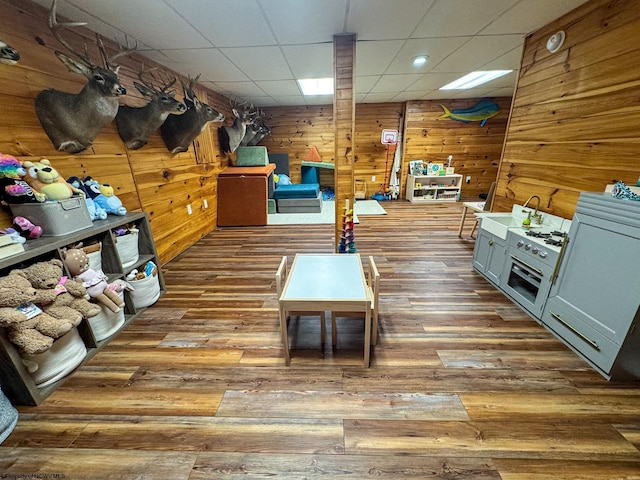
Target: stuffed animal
(28, 327)
(26, 229)
(104, 196)
(45, 179)
(58, 295)
(95, 212)
(95, 281)
(13, 188)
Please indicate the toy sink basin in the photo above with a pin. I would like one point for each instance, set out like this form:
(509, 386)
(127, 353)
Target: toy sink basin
(500, 223)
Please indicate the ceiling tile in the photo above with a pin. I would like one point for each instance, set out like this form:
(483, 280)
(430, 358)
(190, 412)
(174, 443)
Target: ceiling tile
(460, 17)
(209, 62)
(295, 22)
(527, 16)
(365, 83)
(474, 54)
(381, 19)
(233, 31)
(374, 57)
(241, 89)
(436, 48)
(394, 83)
(259, 63)
(279, 87)
(310, 61)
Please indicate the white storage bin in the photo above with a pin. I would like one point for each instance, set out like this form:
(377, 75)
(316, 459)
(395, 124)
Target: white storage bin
(145, 291)
(61, 359)
(127, 246)
(95, 259)
(106, 323)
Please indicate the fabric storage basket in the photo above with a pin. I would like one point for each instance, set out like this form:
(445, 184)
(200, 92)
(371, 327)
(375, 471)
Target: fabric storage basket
(146, 291)
(95, 258)
(127, 246)
(106, 323)
(61, 359)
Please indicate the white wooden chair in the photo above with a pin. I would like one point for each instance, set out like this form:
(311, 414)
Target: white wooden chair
(281, 278)
(373, 283)
(476, 207)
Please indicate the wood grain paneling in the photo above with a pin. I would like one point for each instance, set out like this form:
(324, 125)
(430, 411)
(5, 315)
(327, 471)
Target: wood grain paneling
(149, 179)
(344, 106)
(475, 149)
(576, 113)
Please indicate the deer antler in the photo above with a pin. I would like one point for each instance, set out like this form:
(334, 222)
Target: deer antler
(164, 80)
(108, 61)
(56, 27)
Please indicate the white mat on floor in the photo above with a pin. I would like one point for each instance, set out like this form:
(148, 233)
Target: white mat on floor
(327, 216)
(369, 207)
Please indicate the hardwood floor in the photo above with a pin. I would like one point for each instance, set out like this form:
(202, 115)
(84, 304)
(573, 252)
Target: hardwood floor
(462, 383)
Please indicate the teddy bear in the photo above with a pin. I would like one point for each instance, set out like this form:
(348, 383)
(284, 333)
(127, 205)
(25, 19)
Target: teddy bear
(95, 281)
(45, 179)
(28, 327)
(13, 188)
(58, 295)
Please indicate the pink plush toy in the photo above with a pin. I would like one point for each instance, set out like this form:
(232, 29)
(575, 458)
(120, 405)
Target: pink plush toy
(95, 281)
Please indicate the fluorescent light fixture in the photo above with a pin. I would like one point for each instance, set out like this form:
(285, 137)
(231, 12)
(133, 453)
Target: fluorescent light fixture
(474, 79)
(316, 86)
(420, 60)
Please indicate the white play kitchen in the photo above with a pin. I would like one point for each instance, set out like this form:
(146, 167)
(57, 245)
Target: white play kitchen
(579, 278)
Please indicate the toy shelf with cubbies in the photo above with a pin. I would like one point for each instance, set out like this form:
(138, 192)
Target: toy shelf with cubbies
(118, 257)
(433, 188)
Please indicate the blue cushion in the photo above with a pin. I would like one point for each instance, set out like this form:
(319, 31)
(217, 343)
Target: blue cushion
(297, 190)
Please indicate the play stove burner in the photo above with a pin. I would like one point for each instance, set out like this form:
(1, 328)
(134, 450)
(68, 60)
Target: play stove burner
(554, 242)
(538, 234)
(557, 233)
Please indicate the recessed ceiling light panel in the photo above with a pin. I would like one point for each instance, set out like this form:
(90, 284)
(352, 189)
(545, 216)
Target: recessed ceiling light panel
(316, 86)
(474, 79)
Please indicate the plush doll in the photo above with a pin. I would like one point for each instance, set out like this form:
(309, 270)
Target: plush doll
(26, 229)
(45, 179)
(95, 281)
(58, 295)
(13, 188)
(28, 327)
(104, 196)
(95, 212)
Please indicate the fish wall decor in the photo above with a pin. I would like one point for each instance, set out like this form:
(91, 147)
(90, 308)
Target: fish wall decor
(480, 112)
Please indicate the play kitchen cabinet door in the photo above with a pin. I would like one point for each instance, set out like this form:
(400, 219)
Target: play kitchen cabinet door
(594, 302)
(24, 388)
(433, 188)
(489, 255)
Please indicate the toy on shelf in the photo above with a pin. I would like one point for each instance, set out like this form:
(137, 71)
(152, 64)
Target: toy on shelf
(347, 243)
(44, 179)
(96, 212)
(14, 189)
(95, 281)
(104, 197)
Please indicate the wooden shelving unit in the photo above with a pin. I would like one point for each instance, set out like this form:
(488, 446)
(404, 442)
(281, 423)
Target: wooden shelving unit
(17, 383)
(433, 188)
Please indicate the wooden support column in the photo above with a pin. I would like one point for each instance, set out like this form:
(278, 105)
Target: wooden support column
(344, 55)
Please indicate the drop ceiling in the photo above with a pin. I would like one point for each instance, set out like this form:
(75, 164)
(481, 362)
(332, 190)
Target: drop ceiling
(256, 49)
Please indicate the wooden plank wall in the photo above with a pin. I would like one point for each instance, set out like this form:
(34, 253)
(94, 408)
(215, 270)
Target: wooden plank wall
(576, 113)
(148, 179)
(344, 113)
(296, 129)
(476, 149)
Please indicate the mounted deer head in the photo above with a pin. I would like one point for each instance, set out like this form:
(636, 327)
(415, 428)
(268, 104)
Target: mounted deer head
(256, 131)
(230, 137)
(135, 125)
(178, 131)
(8, 54)
(72, 120)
